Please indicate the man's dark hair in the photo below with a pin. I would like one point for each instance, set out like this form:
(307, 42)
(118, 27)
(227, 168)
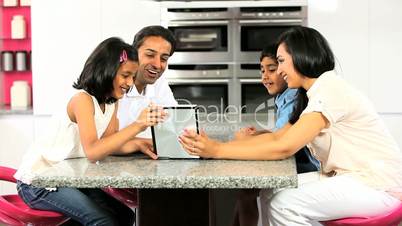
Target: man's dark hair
(154, 30)
(101, 68)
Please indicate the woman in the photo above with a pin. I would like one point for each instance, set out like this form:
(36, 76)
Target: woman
(361, 163)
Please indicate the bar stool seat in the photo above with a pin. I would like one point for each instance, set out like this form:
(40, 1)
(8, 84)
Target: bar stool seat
(392, 218)
(127, 196)
(14, 211)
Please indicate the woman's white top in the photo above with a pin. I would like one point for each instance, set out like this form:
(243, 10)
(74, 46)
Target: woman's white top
(356, 143)
(62, 141)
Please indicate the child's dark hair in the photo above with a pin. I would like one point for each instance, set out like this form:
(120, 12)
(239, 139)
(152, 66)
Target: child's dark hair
(154, 30)
(269, 51)
(311, 56)
(101, 68)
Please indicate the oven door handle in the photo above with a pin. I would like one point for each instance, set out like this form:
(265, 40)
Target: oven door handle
(195, 23)
(250, 81)
(197, 81)
(279, 21)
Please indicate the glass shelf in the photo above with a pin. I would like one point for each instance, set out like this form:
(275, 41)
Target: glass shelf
(14, 7)
(11, 7)
(14, 39)
(16, 72)
(7, 110)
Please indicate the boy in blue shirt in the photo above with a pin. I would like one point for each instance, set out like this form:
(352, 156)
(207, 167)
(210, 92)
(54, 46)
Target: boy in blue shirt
(246, 210)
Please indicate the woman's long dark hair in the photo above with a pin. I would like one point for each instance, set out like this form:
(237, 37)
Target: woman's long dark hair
(101, 68)
(311, 56)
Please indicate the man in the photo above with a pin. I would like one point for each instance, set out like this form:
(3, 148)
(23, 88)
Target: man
(246, 206)
(155, 44)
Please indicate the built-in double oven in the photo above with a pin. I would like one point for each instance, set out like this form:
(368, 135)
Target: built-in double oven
(208, 85)
(258, 27)
(203, 35)
(216, 62)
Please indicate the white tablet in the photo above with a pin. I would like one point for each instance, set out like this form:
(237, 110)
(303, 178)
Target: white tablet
(165, 136)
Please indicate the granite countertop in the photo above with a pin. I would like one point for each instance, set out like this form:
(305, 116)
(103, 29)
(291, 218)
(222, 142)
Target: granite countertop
(140, 172)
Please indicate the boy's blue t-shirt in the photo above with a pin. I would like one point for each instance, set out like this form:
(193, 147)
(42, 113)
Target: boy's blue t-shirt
(284, 103)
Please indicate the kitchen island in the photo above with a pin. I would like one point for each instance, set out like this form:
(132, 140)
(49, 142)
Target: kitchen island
(141, 172)
(177, 192)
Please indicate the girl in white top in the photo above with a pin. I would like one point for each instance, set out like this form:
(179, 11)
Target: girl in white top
(361, 163)
(88, 127)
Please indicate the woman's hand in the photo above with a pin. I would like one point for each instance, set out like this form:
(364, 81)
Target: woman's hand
(245, 132)
(151, 116)
(199, 144)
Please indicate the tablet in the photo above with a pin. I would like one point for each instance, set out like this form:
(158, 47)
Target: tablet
(165, 135)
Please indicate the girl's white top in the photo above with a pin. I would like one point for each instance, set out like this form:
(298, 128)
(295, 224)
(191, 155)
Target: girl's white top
(62, 141)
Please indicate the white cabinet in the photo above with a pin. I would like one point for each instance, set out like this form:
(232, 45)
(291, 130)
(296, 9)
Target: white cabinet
(16, 135)
(41, 125)
(385, 58)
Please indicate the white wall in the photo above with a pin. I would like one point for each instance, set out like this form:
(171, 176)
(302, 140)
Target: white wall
(385, 56)
(124, 18)
(366, 39)
(64, 33)
(345, 25)
(394, 124)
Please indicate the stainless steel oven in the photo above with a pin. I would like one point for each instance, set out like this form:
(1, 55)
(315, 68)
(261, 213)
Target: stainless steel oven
(207, 85)
(204, 34)
(211, 95)
(248, 70)
(260, 26)
(217, 57)
(254, 97)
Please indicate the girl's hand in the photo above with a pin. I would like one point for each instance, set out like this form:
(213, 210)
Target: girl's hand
(245, 132)
(198, 144)
(138, 144)
(151, 116)
(146, 147)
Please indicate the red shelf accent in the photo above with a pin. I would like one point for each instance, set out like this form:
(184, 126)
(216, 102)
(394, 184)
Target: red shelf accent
(8, 44)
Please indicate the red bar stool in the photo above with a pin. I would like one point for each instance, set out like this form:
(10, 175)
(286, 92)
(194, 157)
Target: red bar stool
(14, 211)
(127, 196)
(392, 218)
(8, 220)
